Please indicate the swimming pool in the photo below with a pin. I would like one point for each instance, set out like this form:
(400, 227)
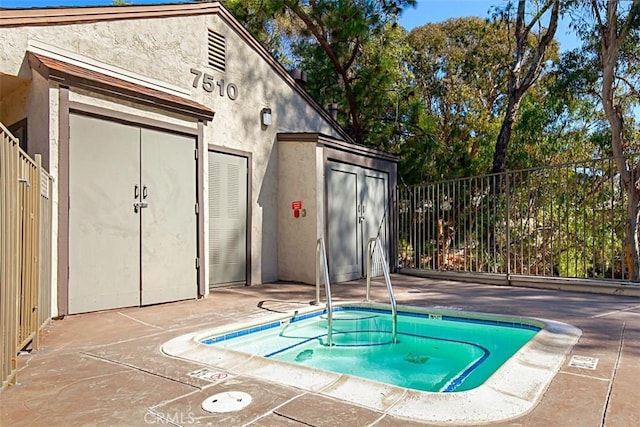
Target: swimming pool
(513, 388)
(431, 353)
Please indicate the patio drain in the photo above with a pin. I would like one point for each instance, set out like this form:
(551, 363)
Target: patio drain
(229, 401)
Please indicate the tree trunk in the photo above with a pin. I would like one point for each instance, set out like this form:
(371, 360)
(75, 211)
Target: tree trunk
(612, 37)
(523, 72)
(500, 154)
(631, 235)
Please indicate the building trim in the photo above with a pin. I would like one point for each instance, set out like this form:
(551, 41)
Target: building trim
(202, 255)
(75, 15)
(63, 201)
(74, 75)
(337, 145)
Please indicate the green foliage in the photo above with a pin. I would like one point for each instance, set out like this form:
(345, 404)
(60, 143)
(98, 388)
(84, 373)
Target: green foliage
(269, 22)
(550, 128)
(437, 96)
(351, 51)
(460, 69)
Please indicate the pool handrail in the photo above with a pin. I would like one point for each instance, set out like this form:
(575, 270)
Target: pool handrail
(321, 262)
(371, 244)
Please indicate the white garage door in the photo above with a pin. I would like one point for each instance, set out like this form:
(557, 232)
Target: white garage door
(132, 217)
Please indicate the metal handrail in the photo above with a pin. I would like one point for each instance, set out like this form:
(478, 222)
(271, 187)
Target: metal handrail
(321, 250)
(375, 241)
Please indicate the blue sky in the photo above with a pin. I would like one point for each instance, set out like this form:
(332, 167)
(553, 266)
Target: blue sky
(426, 11)
(441, 10)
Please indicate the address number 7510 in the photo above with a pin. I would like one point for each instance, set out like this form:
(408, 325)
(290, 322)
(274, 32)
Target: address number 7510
(209, 84)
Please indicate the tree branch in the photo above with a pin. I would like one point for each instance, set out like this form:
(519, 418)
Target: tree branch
(626, 26)
(539, 14)
(543, 44)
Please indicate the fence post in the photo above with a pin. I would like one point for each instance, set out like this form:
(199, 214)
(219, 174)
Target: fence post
(38, 198)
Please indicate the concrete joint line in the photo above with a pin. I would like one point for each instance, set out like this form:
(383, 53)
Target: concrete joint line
(613, 374)
(292, 419)
(591, 377)
(139, 321)
(615, 312)
(114, 362)
(275, 411)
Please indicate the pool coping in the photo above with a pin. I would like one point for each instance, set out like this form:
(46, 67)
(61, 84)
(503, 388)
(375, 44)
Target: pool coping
(512, 391)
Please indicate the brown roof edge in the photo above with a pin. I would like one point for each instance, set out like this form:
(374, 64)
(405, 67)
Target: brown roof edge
(336, 144)
(73, 15)
(74, 75)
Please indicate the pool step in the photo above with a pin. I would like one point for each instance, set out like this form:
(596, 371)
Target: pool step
(345, 316)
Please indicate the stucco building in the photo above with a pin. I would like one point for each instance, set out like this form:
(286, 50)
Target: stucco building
(183, 155)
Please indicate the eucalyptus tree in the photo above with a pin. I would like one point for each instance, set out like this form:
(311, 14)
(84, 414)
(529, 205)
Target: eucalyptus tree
(527, 62)
(460, 74)
(461, 70)
(610, 30)
(556, 122)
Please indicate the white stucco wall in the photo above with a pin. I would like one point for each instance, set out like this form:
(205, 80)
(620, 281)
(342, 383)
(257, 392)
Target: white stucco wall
(42, 105)
(298, 172)
(160, 52)
(52, 134)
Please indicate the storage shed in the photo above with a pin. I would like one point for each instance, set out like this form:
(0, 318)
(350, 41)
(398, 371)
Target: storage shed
(184, 156)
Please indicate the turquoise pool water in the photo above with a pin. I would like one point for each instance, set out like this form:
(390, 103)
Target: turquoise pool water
(433, 352)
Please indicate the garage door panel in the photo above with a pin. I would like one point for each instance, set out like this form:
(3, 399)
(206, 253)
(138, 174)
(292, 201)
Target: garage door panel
(342, 198)
(374, 200)
(169, 237)
(103, 229)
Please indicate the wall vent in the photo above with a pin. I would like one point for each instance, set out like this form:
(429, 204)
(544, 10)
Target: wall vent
(217, 50)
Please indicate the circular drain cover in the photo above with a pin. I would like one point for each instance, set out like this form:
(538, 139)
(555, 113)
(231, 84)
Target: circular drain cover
(229, 401)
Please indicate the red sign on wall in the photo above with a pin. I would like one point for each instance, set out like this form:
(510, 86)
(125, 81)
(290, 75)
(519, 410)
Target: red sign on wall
(296, 205)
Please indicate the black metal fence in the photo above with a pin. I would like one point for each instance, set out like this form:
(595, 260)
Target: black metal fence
(562, 221)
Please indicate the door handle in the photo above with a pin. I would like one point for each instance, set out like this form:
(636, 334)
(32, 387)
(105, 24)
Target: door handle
(139, 205)
(145, 192)
(136, 191)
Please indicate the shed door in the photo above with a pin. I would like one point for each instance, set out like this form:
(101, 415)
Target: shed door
(227, 219)
(376, 214)
(357, 210)
(121, 256)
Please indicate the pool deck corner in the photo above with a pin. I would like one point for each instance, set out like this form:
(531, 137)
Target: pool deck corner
(109, 368)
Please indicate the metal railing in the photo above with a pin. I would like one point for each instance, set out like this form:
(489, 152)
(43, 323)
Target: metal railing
(25, 252)
(372, 244)
(565, 221)
(322, 270)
